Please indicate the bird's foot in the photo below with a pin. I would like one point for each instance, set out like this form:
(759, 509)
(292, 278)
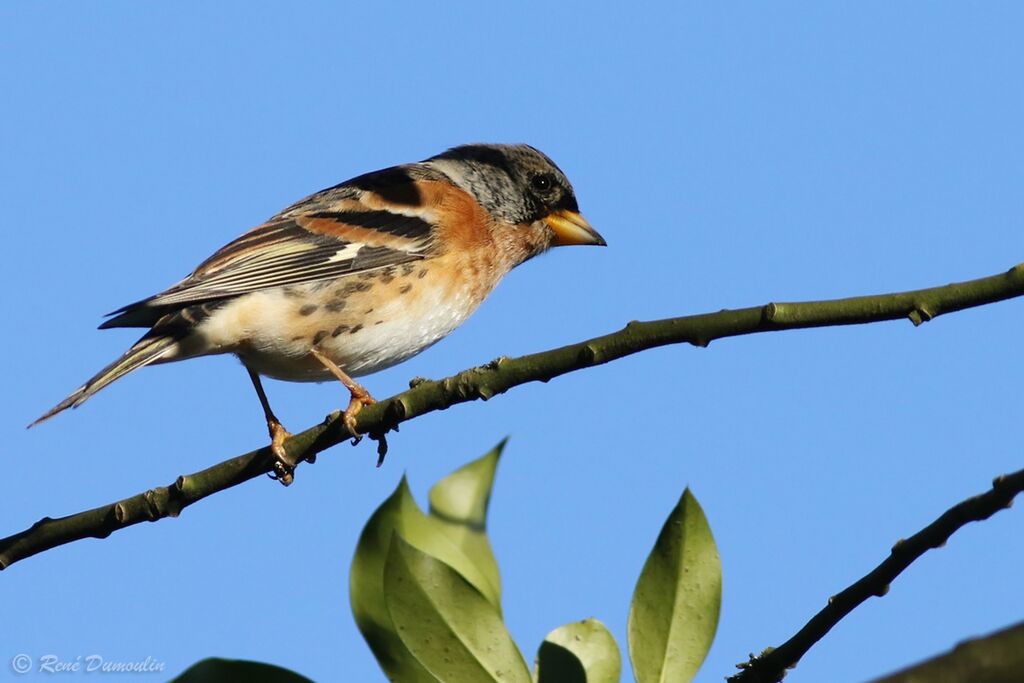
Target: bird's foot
(284, 464)
(360, 399)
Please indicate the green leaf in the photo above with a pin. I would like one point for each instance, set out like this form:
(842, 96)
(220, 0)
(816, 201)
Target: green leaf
(674, 614)
(216, 670)
(445, 622)
(398, 514)
(581, 652)
(459, 503)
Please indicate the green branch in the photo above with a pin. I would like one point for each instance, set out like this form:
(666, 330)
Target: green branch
(499, 376)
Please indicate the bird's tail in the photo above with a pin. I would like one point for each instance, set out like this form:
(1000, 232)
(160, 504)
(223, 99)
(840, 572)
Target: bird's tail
(149, 349)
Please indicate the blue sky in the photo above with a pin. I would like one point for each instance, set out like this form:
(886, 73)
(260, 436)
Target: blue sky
(730, 155)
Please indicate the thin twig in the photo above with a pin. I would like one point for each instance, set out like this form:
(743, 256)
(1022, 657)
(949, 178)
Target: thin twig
(499, 376)
(771, 665)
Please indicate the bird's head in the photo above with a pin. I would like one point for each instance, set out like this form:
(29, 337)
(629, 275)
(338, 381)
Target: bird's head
(523, 188)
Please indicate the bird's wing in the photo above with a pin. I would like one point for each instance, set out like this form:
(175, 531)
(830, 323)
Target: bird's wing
(349, 238)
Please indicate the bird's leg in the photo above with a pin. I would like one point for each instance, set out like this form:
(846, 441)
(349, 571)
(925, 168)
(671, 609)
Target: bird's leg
(285, 465)
(360, 396)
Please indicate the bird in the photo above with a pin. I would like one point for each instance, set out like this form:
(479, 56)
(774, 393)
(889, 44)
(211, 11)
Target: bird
(357, 277)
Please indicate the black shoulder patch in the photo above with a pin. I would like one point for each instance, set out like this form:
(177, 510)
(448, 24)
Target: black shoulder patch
(392, 184)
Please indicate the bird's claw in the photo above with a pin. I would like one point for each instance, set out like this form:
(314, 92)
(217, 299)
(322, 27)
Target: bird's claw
(284, 464)
(358, 402)
(283, 473)
(355, 406)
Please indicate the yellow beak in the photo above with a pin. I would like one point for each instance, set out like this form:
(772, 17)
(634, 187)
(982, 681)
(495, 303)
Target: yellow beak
(571, 229)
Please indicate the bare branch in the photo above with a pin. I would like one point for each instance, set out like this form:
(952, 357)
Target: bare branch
(772, 664)
(499, 376)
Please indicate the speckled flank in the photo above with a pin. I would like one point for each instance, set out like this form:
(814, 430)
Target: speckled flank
(353, 287)
(363, 325)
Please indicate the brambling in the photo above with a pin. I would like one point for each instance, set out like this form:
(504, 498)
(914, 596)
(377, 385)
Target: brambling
(359, 276)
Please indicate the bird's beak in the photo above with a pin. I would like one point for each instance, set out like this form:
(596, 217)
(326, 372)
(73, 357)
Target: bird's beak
(571, 228)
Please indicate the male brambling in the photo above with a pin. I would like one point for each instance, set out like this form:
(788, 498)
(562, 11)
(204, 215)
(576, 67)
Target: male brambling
(357, 277)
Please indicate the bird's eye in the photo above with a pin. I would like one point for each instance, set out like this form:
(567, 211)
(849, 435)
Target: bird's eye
(542, 182)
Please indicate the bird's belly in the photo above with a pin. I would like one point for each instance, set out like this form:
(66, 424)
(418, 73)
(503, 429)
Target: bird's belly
(363, 325)
(390, 335)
